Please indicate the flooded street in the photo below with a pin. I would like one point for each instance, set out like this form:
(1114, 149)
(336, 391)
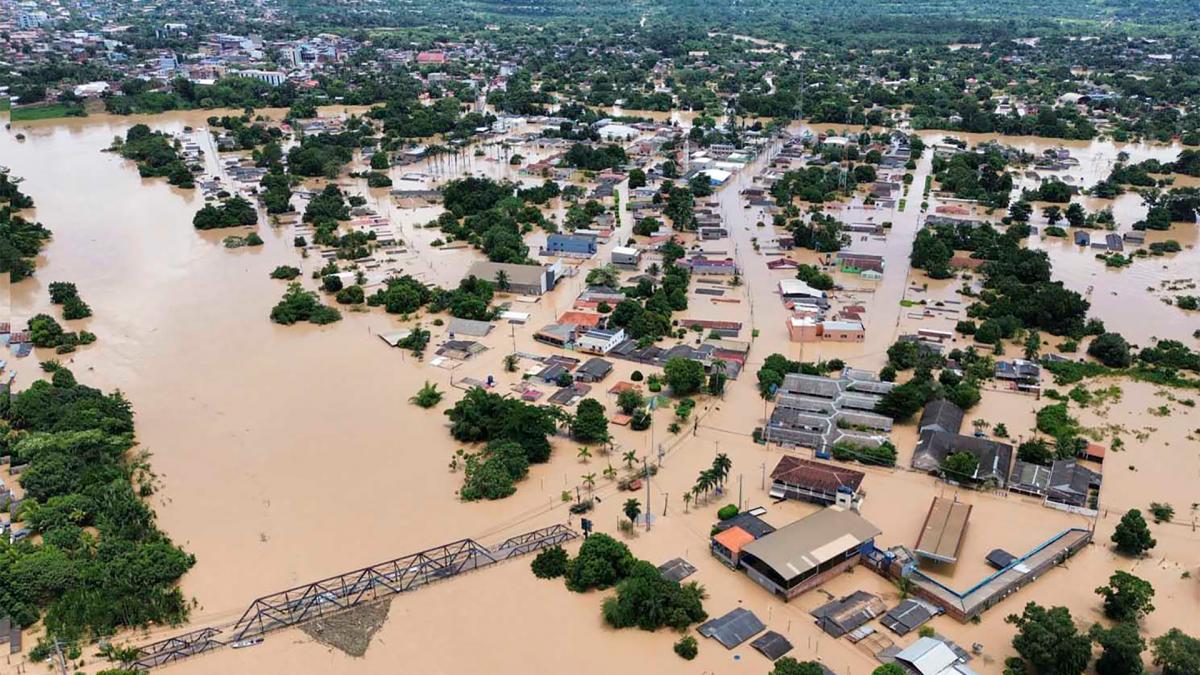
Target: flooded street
(287, 454)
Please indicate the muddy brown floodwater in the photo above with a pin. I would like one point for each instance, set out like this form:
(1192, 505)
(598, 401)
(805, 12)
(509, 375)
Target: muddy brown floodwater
(287, 454)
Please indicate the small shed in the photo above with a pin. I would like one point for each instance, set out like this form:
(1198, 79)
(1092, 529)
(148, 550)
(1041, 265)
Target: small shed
(843, 615)
(676, 569)
(733, 628)
(470, 327)
(999, 558)
(908, 616)
(772, 645)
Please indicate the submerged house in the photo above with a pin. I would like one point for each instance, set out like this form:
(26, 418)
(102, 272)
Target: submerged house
(805, 554)
(526, 279)
(939, 438)
(571, 245)
(818, 482)
(994, 457)
(1072, 484)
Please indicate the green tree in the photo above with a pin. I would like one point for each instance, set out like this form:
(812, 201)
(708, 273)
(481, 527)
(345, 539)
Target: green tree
(684, 376)
(1111, 349)
(789, 666)
(1122, 647)
(590, 423)
(602, 562)
(960, 466)
(427, 396)
(605, 275)
(550, 563)
(1132, 535)
(630, 400)
(1177, 653)
(686, 648)
(1049, 641)
(889, 669)
(632, 509)
(1126, 597)
(646, 600)
(637, 179)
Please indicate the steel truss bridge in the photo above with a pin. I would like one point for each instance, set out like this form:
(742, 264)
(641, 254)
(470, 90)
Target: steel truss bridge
(348, 590)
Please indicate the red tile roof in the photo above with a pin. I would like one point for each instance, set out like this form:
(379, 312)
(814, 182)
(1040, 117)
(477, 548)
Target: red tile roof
(815, 475)
(587, 319)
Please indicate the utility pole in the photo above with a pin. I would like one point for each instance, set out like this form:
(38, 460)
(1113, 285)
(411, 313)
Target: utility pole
(62, 662)
(646, 463)
(739, 492)
(665, 496)
(763, 484)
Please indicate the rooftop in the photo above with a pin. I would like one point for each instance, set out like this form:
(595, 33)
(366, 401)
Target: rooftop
(942, 533)
(813, 474)
(802, 546)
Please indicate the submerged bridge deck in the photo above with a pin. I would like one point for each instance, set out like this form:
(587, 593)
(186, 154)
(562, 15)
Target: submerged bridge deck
(350, 589)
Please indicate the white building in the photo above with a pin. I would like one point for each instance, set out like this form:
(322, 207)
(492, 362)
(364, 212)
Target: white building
(626, 255)
(794, 288)
(598, 341)
(271, 77)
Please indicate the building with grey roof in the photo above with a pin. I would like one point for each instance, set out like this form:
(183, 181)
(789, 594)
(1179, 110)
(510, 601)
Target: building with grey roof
(941, 415)
(526, 279)
(806, 553)
(1029, 479)
(995, 458)
(1072, 484)
(908, 616)
(819, 412)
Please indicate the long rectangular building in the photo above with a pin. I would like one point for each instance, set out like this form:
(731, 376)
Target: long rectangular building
(805, 554)
(942, 532)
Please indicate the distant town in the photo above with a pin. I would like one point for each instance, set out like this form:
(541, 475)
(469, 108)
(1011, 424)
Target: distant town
(806, 340)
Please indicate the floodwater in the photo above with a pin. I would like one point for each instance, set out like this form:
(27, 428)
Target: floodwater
(287, 454)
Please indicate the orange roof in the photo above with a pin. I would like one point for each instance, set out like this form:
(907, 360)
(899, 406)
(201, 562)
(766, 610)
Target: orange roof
(581, 318)
(734, 539)
(623, 386)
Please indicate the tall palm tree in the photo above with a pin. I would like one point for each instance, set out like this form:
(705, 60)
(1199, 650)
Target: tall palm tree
(610, 473)
(721, 466)
(629, 458)
(687, 499)
(584, 454)
(589, 481)
(502, 282)
(632, 509)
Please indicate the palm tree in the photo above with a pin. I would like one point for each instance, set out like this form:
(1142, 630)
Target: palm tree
(687, 499)
(980, 424)
(589, 481)
(502, 280)
(427, 396)
(632, 509)
(510, 363)
(630, 458)
(705, 481)
(721, 465)
(610, 473)
(584, 454)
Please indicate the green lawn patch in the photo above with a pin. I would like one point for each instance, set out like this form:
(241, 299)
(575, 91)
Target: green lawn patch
(46, 112)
